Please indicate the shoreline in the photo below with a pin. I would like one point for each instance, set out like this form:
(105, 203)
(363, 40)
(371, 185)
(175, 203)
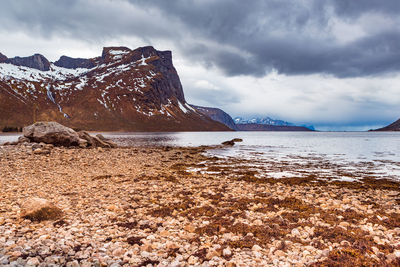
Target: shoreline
(134, 206)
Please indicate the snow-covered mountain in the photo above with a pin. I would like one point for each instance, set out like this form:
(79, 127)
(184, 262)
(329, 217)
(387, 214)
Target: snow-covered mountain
(123, 89)
(266, 121)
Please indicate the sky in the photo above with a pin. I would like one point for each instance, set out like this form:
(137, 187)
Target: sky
(334, 64)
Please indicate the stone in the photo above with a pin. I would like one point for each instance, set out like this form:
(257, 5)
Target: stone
(227, 252)
(192, 260)
(108, 141)
(165, 233)
(73, 264)
(96, 141)
(295, 232)
(52, 133)
(41, 151)
(256, 248)
(23, 139)
(33, 262)
(211, 254)
(258, 222)
(118, 252)
(39, 209)
(190, 228)
(279, 253)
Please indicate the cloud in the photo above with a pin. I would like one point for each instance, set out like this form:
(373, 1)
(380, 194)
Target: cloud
(238, 37)
(290, 37)
(332, 62)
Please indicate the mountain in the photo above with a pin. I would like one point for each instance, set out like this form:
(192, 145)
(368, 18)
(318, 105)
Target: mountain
(266, 121)
(266, 127)
(123, 89)
(268, 124)
(395, 126)
(217, 115)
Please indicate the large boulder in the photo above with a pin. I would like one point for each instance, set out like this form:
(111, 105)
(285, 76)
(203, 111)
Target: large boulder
(53, 133)
(40, 209)
(96, 141)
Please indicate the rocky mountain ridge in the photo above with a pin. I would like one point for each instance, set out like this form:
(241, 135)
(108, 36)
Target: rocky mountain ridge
(123, 89)
(218, 115)
(395, 126)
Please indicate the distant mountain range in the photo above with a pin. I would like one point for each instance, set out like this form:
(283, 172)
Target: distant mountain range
(123, 89)
(266, 121)
(254, 124)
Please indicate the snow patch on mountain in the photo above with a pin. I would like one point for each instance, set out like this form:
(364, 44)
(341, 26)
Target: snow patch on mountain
(266, 121)
(10, 72)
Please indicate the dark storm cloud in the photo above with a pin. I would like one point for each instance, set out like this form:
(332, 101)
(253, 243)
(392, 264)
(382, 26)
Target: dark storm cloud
(238, 37)
(358, 7)
(289, 36)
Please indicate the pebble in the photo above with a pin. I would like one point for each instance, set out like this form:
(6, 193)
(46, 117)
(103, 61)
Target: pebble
(227, 252)
(256, 248)
(33, 261)
(104, 213)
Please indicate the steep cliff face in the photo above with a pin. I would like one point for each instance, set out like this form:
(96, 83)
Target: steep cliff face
(217, 115)
(395, 126)
(123, 89)
(37, 61)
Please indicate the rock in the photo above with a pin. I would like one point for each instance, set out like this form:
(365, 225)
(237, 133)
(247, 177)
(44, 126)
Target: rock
(33, 262)
(229, 143)
(96, 141)
(23, 139)
(258, 222)
(232, 142)
(279, 253)
(227, 252)
(190, 228)
(39, 209)
(165, 233)
(211, 254)
(41, 151)
(102, 138)
(192, 260)
(52, 133)
(73, 264)
(256, 248)
(118, 252)
(4, 260)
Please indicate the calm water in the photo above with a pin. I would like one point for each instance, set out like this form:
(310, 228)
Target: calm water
(375, 153)
(331, 155)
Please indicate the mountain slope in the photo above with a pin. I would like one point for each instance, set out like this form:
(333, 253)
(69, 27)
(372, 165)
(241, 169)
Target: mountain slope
(123, 89)
(217, 115)
(395, 126)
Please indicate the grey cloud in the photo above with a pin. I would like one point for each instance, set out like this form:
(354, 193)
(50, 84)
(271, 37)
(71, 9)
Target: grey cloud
(293, 37)
(356, 8)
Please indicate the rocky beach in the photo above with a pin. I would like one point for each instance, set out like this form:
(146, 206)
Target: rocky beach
(174, 206)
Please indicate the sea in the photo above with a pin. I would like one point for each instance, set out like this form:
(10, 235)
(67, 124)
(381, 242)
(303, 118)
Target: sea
(344, 156)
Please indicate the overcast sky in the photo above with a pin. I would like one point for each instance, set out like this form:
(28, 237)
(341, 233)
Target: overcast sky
(332, 63)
